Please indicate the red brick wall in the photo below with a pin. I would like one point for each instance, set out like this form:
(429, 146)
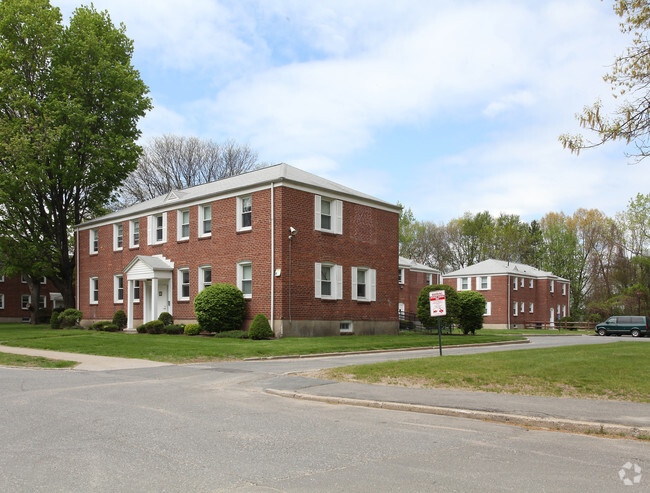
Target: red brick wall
(369, 239)
(12, 288)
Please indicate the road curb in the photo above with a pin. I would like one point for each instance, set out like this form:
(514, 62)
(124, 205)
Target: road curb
(375, 351)
(552, 424)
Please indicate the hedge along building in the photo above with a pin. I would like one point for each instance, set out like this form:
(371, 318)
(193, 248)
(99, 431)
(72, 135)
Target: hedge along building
(315, 257)
(515, 294)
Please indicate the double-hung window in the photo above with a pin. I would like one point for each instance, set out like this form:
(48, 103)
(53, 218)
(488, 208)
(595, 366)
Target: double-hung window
(429, 279)
(136, 291)
(531, 283)
(118, 239)
(184, 284)
(134, 233)
(244, 213)
(523, 282)
(515, 308)
(205, 220)
(205, 277)
(118, 288)
(552, 286)
(483, 283)
(464, 284)
(183, 224)
(94, 241)
(94, 290)
(2, 301)
(400, 276)
(515, 284)
(488, 309)
(328, 215)
(42, 302)
(364, 284)
(563, 289)
(245, 278)
(522, 307)
(328, 281)
(25, 301)
(531, 307)
(157, 228)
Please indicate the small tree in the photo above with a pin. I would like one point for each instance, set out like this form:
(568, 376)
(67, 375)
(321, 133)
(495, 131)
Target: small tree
(472, 308)
(220, 307)
(453, 307)
(260, 328)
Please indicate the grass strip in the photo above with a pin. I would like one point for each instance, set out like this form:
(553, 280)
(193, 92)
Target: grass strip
(616, 371)
(184, 349)
(7, 359)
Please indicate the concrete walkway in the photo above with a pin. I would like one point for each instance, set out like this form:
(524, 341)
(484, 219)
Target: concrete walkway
(87, 362)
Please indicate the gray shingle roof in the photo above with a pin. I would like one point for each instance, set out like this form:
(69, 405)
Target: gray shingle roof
(406, 263)
(279, 174)
(496, 267)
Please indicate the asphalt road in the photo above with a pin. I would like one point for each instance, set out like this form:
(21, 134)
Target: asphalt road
(210, 427)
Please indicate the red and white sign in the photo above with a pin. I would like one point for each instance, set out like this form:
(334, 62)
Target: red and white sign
(438, 303)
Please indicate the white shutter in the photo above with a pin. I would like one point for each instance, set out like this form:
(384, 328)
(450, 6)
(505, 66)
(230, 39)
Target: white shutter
(317, 280)
(354, 283)
(164, 217)
(372, 273)
(458, 284)
(317, 212)
(338, 223)
(338, 270)
(150, 234)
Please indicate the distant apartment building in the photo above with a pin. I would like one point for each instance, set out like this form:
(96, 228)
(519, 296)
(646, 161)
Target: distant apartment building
(516, 294)
(412, 277)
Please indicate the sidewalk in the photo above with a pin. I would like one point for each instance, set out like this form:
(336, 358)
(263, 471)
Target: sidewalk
(630, 419)
(87, 362)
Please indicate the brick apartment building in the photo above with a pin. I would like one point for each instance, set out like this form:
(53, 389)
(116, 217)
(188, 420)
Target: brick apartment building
(15, 299)
(516, 294)
(315, 257)
(413, 276)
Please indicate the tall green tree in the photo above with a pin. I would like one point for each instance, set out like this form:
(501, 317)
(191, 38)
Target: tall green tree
(70, 100)
(630, 82)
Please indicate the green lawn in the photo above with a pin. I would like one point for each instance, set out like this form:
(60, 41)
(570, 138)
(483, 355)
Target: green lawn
(7, 359)
(617, 371)
(183, 349)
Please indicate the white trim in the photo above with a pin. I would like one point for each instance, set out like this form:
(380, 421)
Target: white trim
(240, 213)
(479, 283)
(552, 286)
(531, 283)
(515, 285)
(522, 307)
(336, 281)
(515, 308)
(335, 215)
(152, 228)
(132, 224)
(2, 301)
(370, 281)
(531, 307)
(93, 246)
(460, 283)
(241, 279)
(23, 305)
(401, 275)
(116, 227)
(179, 281)
(202, 270)
(201, 215)
(94, 287)
(116, 288)
(42, 298)
(179, 225)
(488, 309)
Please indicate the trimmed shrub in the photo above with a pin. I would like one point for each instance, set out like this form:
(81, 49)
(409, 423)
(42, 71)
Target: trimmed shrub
(232, 334)
(192, 329)
(472, 308)
(155, 327)
(99, 325)
(174, 329)
(220, 307)
(120, 319)
(54, 321)
(453, 307)
(141, 329)
(260, 328)
(166, 318)
(69, 318)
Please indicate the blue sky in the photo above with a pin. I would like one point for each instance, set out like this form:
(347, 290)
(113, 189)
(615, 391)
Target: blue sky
(444, 106)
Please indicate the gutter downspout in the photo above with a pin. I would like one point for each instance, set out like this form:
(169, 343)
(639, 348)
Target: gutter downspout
(273, 256)
(76, 250)
(508, 307)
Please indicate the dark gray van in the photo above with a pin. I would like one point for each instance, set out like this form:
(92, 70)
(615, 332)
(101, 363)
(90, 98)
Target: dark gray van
(635, 326)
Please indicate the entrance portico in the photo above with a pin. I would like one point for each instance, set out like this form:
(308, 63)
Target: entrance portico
(155, 276)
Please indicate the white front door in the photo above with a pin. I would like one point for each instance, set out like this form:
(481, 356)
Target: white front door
(162, 303)
(552, 316)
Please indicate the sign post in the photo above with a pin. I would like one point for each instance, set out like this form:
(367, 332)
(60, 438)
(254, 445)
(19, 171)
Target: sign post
(438, 309)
